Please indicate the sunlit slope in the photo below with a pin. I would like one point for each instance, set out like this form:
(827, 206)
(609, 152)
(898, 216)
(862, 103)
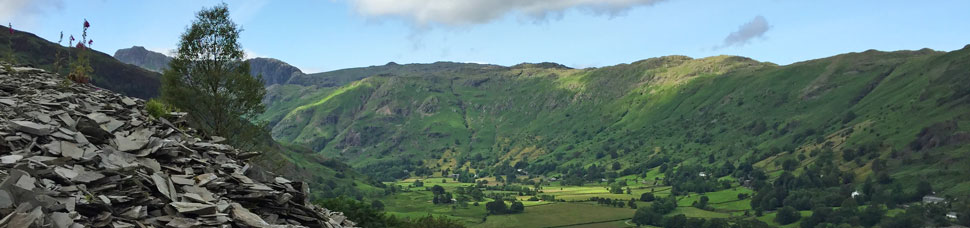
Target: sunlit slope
(908, 108)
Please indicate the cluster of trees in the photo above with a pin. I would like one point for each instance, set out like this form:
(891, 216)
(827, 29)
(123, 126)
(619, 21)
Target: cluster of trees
(928, 215)
(440, 195)
(464, 176)
(498, 207)
(702, 204)
(647, 197)
(576, 175)
(618, 188)
(654, 214)
(823, 186)
(543, 198)
(615, 202)
(693, 178)
(470, 193)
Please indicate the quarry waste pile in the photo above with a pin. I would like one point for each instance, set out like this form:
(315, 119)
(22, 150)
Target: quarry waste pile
(73, 155)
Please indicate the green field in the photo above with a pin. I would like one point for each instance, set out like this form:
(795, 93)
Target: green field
(577, 211)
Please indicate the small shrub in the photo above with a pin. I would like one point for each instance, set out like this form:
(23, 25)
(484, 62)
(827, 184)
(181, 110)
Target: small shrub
(157, 108)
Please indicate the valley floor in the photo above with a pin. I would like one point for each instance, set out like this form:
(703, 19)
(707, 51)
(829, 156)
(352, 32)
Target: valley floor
(572, 207)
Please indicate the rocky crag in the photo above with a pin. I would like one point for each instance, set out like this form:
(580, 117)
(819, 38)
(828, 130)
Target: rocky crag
(76, 155)
(273, 71)
(139, 56)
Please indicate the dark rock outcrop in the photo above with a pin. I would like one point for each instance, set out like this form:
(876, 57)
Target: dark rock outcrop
(273, 71)
(139, 56)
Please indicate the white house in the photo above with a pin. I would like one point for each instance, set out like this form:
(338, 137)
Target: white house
(933, 199)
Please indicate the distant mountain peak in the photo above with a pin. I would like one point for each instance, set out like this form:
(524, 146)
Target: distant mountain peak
(543, 65)
(274, 71)
(144, 58)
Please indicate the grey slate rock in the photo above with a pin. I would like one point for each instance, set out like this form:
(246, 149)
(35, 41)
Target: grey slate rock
(32, 128)
(85, 157)
(93, 131)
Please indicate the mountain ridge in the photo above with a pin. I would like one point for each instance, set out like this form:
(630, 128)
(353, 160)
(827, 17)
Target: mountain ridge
(476, 116)
(139, 56)
(273, 71)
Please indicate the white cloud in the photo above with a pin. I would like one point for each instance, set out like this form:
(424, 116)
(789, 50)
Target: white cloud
(25, 12)
(170, 52)
(471, 12)
(250, 54)
(755, 28)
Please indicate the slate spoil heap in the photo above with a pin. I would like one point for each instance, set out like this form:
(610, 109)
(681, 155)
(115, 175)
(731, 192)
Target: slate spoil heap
(78, 156)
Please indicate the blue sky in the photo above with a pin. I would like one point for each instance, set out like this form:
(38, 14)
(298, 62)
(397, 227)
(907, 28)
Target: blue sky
(334, 34)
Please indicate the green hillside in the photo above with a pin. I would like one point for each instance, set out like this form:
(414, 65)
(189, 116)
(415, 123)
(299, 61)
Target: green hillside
(906, 108)
(109, 73)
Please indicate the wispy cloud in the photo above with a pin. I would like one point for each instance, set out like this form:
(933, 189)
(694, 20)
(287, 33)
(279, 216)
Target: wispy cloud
(170, 52)
(755, 28)
(456, 13)
(25, 12)
(245, 11)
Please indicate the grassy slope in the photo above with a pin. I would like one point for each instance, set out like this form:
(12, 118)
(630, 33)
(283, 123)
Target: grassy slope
(676, 106)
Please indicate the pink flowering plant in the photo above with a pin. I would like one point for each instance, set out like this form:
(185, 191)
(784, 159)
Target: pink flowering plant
(81, 67)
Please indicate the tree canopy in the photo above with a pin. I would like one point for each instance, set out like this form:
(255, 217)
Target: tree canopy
(209, 79)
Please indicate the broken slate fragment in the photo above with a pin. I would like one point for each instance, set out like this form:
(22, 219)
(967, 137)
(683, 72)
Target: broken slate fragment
(65, 172)
(24, 219)
(130, 143)
(71, 150)
(165, 186)
(112, 125)
(183, 223)
(6, 200)
(128, 101)
(26, 182)
(99, 118)
(32, 128)
(67, 120)
(85, 176)
(205, 178)
(194, 208)
(247, 218)
(61, 220)
(8, 102)
(10, 159)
